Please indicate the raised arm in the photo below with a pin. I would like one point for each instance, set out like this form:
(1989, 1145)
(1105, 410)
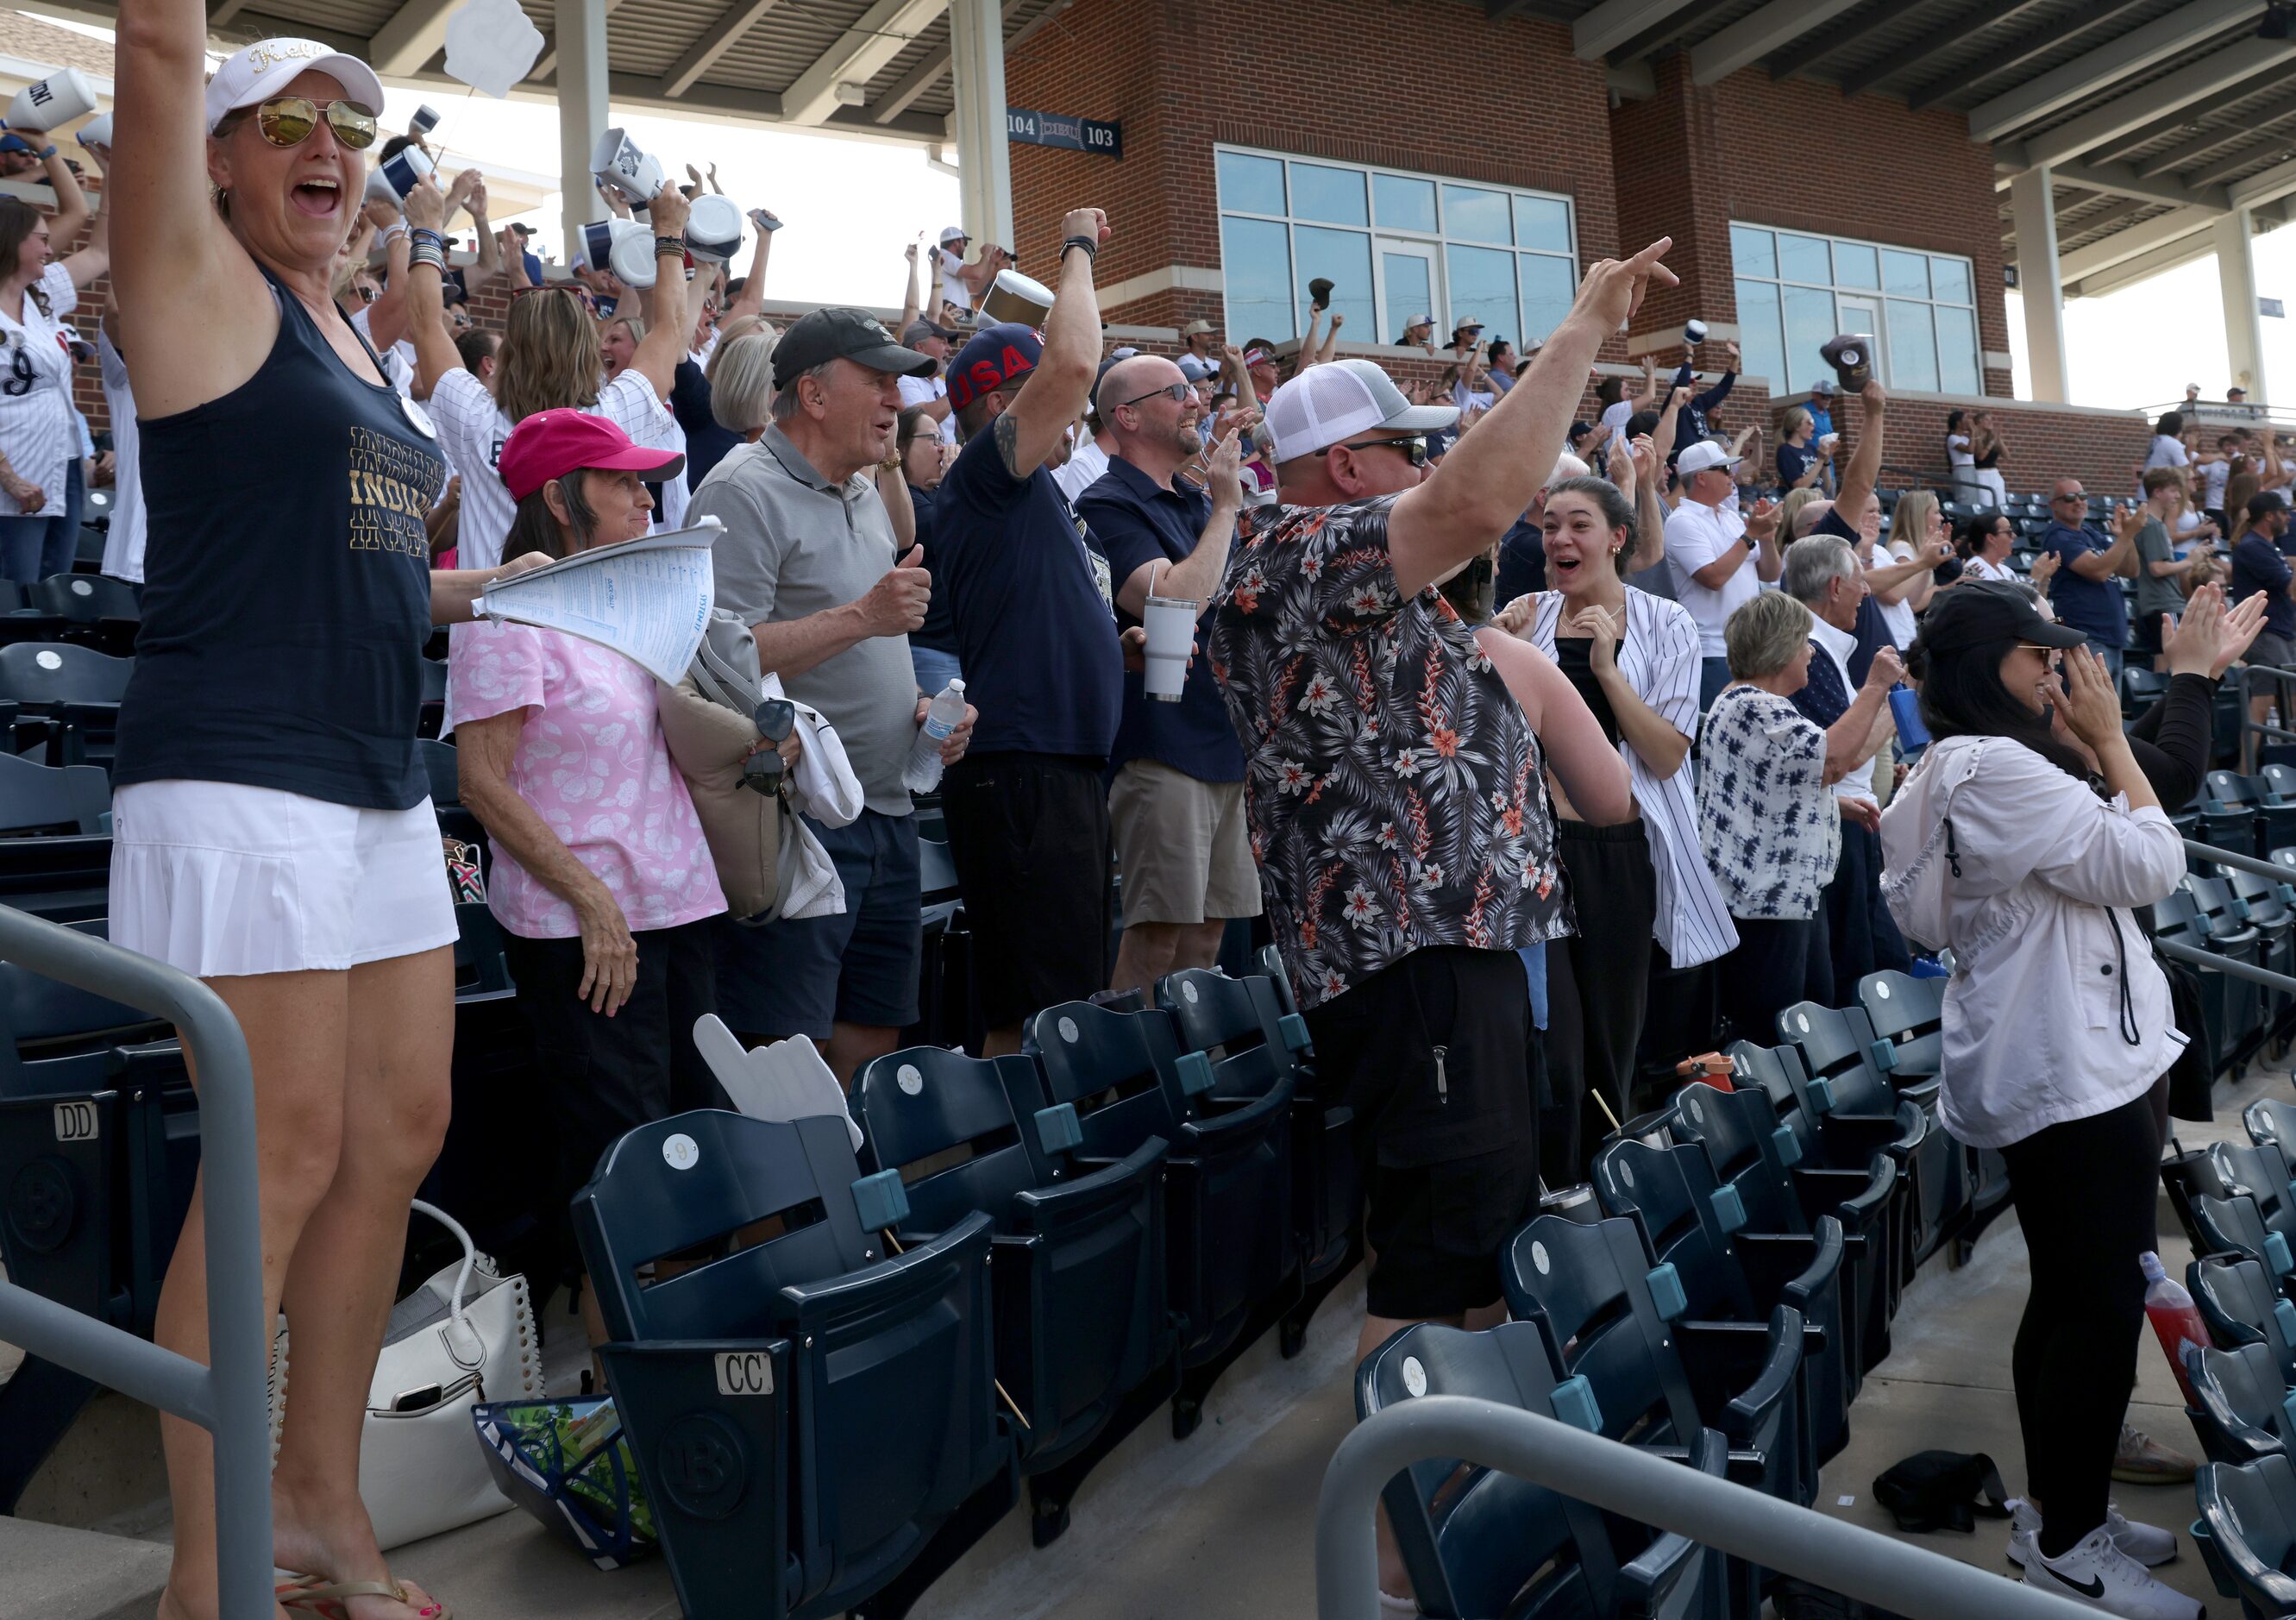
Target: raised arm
(1848, 740)
(1649, 505)
(1490, 475)
(488, 269)
(1054, 393)
(667, 330)
(912, 297)
(435, 354)
(71, 202)
(1864, 472)
(95, 256)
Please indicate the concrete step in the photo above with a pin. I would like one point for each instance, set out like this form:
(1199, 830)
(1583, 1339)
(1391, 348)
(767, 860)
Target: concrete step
(49, 1572)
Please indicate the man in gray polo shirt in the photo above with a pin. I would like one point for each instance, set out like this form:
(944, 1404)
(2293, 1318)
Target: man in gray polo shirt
(811, 558)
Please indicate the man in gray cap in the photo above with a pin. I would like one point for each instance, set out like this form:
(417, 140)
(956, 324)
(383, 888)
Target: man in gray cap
(816, 557)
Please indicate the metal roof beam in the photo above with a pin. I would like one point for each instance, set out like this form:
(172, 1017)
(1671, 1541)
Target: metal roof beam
(2225, 168)
(1799, 59)
(1614, 22)
(1754, 36)
(2017, 55)
(930, 70)
(2107, 64)
(1937, 42)
(2120, 180)
(2142, 237)
(877, 36)
(2214, 138)
(720, 36)
(416, 33)
(2193, 83)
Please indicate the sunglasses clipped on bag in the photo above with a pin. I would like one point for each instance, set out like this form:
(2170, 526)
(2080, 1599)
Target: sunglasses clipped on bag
(763, 770)
(288, 120)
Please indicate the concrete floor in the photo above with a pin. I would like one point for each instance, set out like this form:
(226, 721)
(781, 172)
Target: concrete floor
(1222, 1524)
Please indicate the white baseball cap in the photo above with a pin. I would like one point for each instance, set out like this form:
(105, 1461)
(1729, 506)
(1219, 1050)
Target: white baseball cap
(953, 232)
(1326, 404)
(1706, 454)
(259, 72)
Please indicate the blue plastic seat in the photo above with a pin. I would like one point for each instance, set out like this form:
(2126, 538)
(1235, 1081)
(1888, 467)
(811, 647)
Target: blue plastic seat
(1233, 1265)
(2235, 1226)
(2229, 933)
(1907, 1012)
(1593, 1292)
(2257, 1173)
(809, 1411)
(2238, 1409)
(2239, 1305)
(2273, 819)
(1251, 1042)
(1685, 1221)
(2250, 1516)
(97, 611)
(1079, 1264)
(1479, 1543)
(2272, 1123)
(73, 690)
(1757, 1156)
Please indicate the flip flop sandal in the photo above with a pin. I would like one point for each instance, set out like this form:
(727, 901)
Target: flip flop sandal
(330, 1599)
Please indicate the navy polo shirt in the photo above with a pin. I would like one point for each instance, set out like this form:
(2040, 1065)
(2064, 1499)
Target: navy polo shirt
(1029, 594)
(938, 631)
(2257, 566)
(2094, 607)
(1136, 522)
(1522, 562)
(706, 443)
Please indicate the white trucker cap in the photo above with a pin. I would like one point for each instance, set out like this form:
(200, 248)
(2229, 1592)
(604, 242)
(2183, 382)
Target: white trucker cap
(1326, 404)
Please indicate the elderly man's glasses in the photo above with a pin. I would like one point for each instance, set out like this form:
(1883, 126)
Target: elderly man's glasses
(1413, 445)
(1178, 391)
(2076, 495)
(288, 120)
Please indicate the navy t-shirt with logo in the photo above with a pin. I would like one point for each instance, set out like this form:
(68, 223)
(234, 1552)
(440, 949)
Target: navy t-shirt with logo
(1136, 522)
(1030, 594)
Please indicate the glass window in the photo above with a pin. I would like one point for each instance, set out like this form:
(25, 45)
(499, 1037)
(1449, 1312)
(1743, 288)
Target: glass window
(1759, 342)
(1547, 290)
(1408, 278)
(1804, 259)
(1905, 275)
(1333, 195)
(1480, 216)
(1344, 256)
(1403, 203)
(1949, 280)
(1254, 185)
(1956, 350)
(1753, 252)
(1256, 257)
(1856, 264)
(1482, 288)
(1543, 223)
(1913, 346)
(1809, 323)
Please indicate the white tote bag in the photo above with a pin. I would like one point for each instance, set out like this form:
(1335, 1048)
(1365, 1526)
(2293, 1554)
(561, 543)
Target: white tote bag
(465, 1336)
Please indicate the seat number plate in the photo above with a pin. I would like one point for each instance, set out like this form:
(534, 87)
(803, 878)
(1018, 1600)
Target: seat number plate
(76, 1121)
(745, 1373)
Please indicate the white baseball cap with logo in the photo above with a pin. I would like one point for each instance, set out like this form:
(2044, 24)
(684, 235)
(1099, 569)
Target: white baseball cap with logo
(953, 232)
(1326, 404)
(258, 72)
(1703, 455)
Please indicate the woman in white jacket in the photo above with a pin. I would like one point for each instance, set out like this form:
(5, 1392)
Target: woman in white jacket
(2004, 846)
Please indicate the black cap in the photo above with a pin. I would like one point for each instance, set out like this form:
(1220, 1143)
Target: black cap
(836, 333)
(2264, 502)
(1974, 613)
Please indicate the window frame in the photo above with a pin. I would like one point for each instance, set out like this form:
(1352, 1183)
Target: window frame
(1879, 296)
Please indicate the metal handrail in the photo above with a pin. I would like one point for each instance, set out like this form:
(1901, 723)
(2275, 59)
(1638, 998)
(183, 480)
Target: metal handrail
(2251, 728)
(1649, 1490)
(2201, 956)
(229, 1398)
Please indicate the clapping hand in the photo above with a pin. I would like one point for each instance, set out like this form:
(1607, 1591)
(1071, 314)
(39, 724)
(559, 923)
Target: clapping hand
(2045, 569)
(1516, 617)
(2209, 636)
(2084, 695)
(1762, 521)
(1595, 624)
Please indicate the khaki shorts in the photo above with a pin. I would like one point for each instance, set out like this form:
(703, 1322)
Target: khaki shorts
(1181, 845)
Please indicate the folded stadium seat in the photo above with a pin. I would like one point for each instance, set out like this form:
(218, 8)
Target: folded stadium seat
(1241, 1028)
(1271, 963)
(2250, 1517)
(1234, 1267)
(2240, 1306)
(2270, 909)
(1752, 1153)
(432, 719)
(2227, 933)
(1608, 1316)
(2235, 1226)
(97, 611)
(1479, 1543)
(55, 845)
(2140, 689)
(2272, 1122)
(1839, 1047)
(19, 621)
(2179, 918)
(2239, 1408)
(2273, 821)
(1085, 1344)
(1909, 1013)
(813, 1417)
(2224, 825)
(2258, 1173)
(2186, 1175)
(1727, 1275)
(74, 690)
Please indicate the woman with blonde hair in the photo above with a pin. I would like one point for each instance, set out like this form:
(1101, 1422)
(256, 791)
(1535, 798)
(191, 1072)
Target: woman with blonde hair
(618, 337)
(1917, 525)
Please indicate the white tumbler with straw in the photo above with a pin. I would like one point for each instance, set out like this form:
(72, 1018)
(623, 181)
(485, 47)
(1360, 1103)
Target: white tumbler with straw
(1170, 623)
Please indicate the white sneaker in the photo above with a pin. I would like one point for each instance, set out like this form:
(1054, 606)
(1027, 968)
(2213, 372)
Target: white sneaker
(2098, 1574)
(2148, 1544)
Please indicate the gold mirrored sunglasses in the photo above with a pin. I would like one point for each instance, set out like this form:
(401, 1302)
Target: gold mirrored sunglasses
(288, 120)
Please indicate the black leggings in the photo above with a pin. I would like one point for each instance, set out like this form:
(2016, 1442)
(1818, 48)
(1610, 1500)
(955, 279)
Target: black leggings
(2085, 1192)
(1597, 989)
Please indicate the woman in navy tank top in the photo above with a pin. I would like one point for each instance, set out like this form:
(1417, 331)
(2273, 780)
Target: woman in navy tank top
(272, 831)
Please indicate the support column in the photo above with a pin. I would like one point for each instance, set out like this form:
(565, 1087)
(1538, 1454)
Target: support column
(976, 35)
(582, 114)
(2234, 236)
(2034, 216)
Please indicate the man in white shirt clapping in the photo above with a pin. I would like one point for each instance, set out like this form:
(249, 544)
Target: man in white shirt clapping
(1718, 558)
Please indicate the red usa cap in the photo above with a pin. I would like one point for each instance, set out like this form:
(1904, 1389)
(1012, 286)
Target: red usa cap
(995, 356)
(551, 444)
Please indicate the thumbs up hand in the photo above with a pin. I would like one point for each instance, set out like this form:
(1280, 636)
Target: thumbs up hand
(896, 604)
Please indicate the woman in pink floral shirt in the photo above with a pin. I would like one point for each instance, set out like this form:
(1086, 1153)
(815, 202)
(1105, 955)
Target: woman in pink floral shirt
(601, 880)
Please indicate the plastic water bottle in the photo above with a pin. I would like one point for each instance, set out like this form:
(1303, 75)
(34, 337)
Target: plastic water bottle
(2175, 1318)
(921, 774)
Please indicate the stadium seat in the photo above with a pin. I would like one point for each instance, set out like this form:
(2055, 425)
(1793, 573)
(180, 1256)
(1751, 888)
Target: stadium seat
(2240, 1306)
(74, 690)
(2273, 821)
(2249, 1514)
(55, 842)
(2269, 908)
(2224, 825)
(1479, 1543)
(1240, 1026)
(1687, 1222)
(1079, 1272)
(1234, 1266)
(2231, 934)
(1594, 1296)
(96, 611)
(2185, 1176)
(2177, 917)
(1905, 1012)
(2238, 1409)
(2234, 1226)
(807, 1411)
(2257, 1173)
(2140, 689)
(1752, 1153)
(2273, 1122)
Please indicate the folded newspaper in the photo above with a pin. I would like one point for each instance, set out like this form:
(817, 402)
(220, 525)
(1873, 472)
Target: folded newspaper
(649, 598)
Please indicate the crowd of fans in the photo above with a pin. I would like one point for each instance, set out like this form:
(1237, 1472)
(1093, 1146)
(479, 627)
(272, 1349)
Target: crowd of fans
(1496, 715)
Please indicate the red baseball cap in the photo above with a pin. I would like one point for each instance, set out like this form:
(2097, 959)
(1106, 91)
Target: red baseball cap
(551, 444)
